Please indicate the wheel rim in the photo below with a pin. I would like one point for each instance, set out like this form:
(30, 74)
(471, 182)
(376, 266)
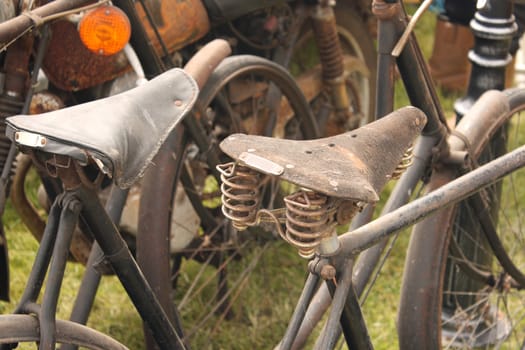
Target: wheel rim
(486, 310)
(223, 254)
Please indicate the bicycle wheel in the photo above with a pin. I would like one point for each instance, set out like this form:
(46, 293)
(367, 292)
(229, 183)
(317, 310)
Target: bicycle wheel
(460, 289)
(359, 56)
(17, 329)
(212, 263)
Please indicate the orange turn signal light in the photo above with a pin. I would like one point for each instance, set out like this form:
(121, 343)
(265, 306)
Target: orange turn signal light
(105, 30)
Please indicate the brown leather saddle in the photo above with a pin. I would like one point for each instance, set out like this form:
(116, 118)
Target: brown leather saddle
(353, 165)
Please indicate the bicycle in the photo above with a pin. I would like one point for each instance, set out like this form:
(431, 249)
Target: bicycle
(464, 281)
(239, 70)
(375, 231)
(124, 156)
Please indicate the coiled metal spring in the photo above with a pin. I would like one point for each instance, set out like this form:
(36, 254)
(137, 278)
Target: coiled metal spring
(327, 39)
(240, 194)
(406, 161)
(308, 220)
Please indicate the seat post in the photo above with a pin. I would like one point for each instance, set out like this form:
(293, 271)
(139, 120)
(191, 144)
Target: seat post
(119, 256)
(66, 226)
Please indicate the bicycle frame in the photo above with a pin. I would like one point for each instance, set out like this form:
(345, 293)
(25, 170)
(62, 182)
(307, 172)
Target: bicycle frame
(72, 204)
(420, 89)
(371, 239)
(84, 202)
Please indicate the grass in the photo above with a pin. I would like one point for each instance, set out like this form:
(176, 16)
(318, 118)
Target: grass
(272, 300)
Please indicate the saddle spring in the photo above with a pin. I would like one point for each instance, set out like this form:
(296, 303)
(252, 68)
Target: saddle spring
(240, 193)
(406, 161)
(310, 217)
(309, 220)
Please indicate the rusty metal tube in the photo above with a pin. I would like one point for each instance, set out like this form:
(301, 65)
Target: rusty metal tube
(17, 25)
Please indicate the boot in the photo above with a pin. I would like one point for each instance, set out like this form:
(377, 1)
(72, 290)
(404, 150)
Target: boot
(449, 65)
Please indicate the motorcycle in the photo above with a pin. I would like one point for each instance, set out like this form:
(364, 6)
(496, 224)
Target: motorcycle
(41, 71)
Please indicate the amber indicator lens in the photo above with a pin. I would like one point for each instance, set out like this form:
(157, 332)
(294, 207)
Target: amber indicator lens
(105, 30)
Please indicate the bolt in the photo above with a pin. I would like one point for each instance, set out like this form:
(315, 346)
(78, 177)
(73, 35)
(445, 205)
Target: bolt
(328, 272)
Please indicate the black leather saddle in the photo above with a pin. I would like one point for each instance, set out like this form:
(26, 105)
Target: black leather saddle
(120, 133)
(354, 165)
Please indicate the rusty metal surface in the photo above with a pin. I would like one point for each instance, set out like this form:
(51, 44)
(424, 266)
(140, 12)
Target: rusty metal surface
(15, 66)
(341, 166)
(45, 101)
(327, 38)
(179, 22)
(383, 10)
(14, 26)
(70, 66)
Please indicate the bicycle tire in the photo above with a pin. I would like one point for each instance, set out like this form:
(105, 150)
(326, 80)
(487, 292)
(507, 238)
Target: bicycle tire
(155, 212)
(450, 295)
(16, 329)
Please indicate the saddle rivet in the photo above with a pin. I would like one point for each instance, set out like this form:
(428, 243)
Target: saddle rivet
(178, 103)
(290, 166)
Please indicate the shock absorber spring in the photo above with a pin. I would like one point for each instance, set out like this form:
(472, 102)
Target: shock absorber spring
(332, 64)
(327, 39)
(309, 219)
(240, 193)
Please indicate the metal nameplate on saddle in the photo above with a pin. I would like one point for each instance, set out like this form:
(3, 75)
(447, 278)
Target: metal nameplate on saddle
(354, 165)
